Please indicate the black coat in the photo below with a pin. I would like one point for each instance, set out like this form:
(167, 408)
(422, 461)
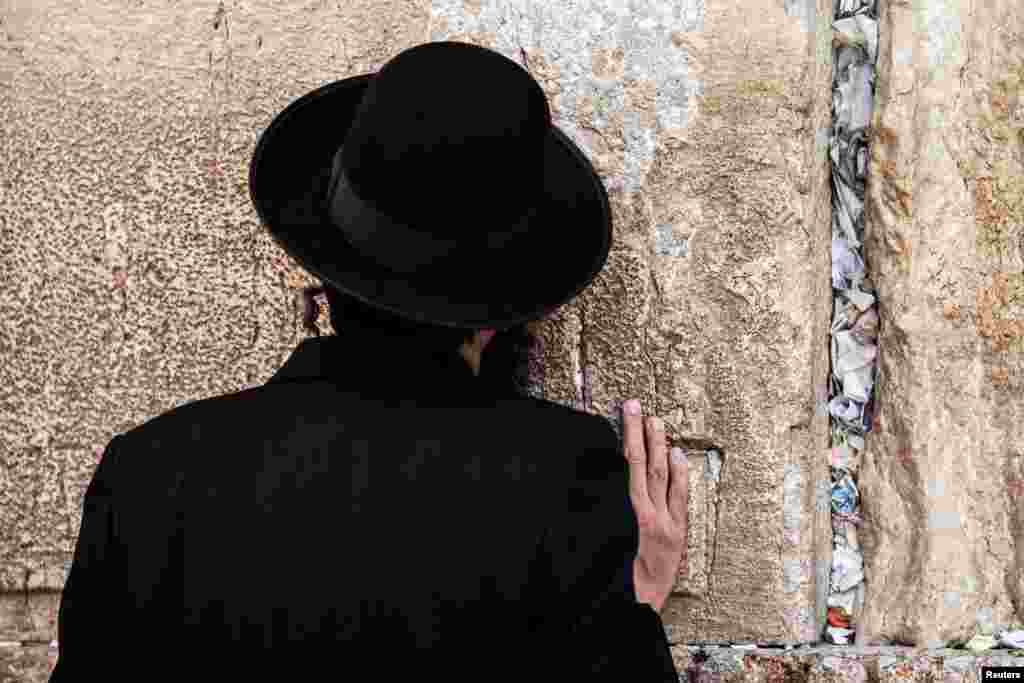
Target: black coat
(374, 511)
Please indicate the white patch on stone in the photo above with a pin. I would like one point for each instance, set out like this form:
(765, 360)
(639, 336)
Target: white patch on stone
(844, 600)
(983, 619)
(944, 520)
(666, 244)
(823, 495)
(936, 486)
(566, 33)
(957, 664)
(943, 32)
(792, 571)
(822, 139)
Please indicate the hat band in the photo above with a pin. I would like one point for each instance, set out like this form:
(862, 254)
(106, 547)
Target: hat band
(403, 249)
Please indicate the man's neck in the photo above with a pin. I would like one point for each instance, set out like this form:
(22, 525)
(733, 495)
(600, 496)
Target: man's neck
(471, 354)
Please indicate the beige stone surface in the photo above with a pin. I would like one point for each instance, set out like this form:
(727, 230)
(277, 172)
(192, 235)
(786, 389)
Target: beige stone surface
(137, 278)
(943, 475)
(831, 664)
(29, 616)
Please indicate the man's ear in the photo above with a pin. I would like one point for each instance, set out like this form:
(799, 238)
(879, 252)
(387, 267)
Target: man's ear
(485, 338)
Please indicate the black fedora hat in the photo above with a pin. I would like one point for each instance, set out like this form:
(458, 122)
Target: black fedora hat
(436, 189)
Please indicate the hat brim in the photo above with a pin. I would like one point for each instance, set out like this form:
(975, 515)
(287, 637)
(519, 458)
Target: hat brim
(288, 179)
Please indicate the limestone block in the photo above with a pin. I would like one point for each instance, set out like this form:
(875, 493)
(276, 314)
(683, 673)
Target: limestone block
(25, 663)
(710, 131)
(942, 476)
(29, 616)
(137, 277)
(832, 664)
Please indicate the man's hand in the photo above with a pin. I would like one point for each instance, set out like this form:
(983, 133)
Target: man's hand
(659, 490)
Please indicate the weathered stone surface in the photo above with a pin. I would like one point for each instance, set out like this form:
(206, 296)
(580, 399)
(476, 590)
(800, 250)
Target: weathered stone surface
(41, 496)
(694, 574)
(943, 476)
(710, 132)
(139, 276)
(823, 664)
(831, 664)
(25, 663)
(29, 616)
(146, 281)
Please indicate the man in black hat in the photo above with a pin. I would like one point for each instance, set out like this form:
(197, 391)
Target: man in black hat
(376, 506)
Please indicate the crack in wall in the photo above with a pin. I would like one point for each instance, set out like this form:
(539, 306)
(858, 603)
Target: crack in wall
(650, 362)
(714, 473)
(854, 352)
(712, 454)
(659, 302)
(583, 388)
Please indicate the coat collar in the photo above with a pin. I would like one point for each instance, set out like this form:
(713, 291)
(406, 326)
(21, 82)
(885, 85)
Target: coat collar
(378, 361)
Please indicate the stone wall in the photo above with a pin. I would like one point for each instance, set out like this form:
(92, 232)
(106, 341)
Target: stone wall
(137, 277)
(710, 132)
(943, 472)
(129, 131)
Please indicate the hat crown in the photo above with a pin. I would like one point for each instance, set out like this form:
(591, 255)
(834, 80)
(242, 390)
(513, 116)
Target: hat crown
(449, 130)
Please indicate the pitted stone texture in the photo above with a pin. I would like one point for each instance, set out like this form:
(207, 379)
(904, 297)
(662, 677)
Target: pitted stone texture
(29, 616)
(137, 276)
(707, 129)
(943, 476)
(694, 575)
(31, 663)
(41, 496)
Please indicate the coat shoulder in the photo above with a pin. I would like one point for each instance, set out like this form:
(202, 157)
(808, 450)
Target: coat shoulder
(593, 424)
(589, 440)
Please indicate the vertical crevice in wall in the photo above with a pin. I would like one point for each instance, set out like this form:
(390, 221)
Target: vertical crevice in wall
(854, 338)
(713, 474)
(583, 392)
